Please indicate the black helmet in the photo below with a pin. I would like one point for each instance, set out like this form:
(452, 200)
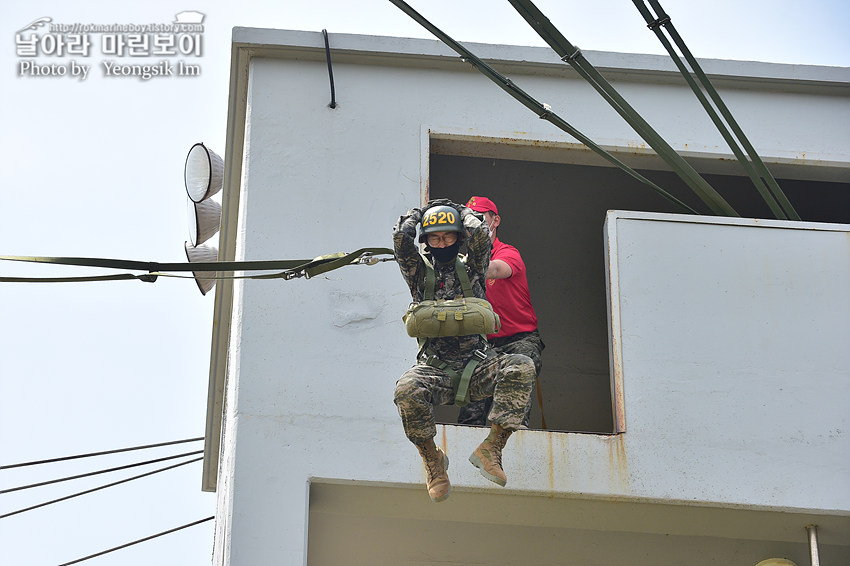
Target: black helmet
(441, 219)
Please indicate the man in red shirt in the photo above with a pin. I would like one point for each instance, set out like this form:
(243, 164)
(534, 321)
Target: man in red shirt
(507, 290)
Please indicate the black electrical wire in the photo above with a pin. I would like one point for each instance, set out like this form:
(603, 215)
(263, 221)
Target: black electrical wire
(100, 453)
(138, 541)
(137, 464)
(99, 488)
(330, 68)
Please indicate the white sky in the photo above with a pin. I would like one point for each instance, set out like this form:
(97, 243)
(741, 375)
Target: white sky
(94, 168)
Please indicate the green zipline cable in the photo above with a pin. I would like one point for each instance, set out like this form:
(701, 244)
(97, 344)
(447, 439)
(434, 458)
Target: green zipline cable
(529, 102)
(766, 177)
(573, 56)
(147, 277)
(293, 268)
(153, 266)
(655, 26)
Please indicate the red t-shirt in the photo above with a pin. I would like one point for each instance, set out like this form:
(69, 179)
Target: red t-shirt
(510, 297)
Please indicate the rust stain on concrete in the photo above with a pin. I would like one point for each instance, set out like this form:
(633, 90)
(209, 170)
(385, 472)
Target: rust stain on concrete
(618, 464)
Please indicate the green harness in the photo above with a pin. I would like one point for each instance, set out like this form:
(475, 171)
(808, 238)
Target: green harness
(455, 318)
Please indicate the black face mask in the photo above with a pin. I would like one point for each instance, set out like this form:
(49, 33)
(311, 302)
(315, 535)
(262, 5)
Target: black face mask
(445, 255)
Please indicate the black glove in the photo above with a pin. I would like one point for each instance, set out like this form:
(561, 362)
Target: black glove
(407, 223)
(415, 214)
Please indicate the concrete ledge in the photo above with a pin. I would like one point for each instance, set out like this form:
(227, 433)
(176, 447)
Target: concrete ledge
(527, 60)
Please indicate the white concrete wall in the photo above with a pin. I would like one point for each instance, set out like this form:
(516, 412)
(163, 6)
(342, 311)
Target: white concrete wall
(733, 341)
(314, 362)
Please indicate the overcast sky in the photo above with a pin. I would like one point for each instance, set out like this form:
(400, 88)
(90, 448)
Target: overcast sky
(94, 168)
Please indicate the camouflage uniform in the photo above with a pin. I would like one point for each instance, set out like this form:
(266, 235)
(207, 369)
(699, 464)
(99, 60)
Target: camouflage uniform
(507, 377)
(526, 343)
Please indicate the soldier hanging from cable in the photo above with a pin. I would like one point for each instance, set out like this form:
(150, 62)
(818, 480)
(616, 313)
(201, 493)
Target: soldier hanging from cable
(451, 318)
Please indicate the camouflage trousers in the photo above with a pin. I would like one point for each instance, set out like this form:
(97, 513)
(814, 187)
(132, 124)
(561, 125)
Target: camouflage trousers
(526, 343)
(506, 378)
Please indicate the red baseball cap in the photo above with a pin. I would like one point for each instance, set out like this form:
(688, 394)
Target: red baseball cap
(482, 204)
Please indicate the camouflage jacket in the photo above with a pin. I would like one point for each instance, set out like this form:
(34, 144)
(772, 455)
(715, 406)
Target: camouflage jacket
(456, 350)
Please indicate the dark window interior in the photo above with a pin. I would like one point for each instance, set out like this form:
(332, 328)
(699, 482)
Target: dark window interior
(554, 214)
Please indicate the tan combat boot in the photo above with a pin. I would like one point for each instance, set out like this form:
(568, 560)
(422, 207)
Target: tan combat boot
(436, 465)
(488, 456)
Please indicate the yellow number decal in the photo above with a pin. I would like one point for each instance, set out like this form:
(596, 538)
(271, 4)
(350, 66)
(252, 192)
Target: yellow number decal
(438, 218)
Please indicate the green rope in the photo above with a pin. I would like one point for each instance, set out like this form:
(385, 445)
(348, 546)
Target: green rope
(147, 277)
(292, 268)
(529, 102)
(573, 56)
(760, 175)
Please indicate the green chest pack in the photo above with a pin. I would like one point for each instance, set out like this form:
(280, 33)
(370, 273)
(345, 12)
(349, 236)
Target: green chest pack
(461, 316)
(464, 316)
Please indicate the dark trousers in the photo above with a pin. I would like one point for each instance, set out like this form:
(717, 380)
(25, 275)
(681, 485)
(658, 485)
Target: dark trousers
(526, 343)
